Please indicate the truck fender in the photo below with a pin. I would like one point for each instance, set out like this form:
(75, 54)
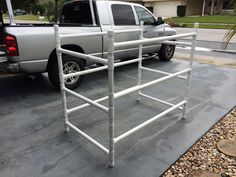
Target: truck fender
(52, 57)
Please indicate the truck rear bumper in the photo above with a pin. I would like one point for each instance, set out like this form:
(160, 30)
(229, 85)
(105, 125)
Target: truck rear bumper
(7, 67)
(28, 67)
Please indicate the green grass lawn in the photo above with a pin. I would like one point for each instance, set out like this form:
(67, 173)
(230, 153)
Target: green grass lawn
(27, 17)
(212, 22)
(30, 17)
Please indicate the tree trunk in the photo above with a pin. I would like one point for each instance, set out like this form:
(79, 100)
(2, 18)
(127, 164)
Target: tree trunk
(56, 11)
(212, 7)
(203, 7)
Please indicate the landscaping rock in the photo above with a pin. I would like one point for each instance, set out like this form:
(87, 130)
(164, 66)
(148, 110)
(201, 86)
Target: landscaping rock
(227, 147)
(203, 158)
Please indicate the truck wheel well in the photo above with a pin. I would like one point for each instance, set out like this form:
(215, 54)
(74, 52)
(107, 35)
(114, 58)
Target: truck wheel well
(53, 54)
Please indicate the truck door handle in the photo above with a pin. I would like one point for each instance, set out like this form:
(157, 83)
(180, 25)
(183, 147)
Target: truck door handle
(145, 31)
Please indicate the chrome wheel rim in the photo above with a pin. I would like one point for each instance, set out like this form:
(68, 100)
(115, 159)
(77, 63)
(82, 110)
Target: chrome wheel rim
(68, 68)
(169, 50)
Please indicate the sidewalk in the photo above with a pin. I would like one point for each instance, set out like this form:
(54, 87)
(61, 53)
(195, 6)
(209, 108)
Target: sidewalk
(213, 35)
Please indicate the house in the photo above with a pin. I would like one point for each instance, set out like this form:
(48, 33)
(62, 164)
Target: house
(168, 8)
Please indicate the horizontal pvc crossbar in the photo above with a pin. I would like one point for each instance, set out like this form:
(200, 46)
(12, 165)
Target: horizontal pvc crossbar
(82, 34)
(151, 40)
(99, 106)
(144, 124)
(161, 72)
(79, 73)
(148, 84)
(91, 140)
(69, 111)
(131, 61)
(177, 43)
(96, 33)
(88, 71)
(158, 100)
(127, 31)
(84, 56)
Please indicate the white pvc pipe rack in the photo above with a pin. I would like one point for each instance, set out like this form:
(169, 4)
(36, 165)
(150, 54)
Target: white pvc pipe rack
(112, 96)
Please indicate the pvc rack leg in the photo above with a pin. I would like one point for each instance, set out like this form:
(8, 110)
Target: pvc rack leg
(61, 76)
(189, 76)
(111, 98)
(140, 60)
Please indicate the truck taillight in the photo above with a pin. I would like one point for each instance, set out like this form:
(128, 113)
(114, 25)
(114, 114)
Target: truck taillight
(11, 45)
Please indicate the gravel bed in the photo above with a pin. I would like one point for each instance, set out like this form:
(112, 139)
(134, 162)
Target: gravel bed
(4, 75)
(204, 155)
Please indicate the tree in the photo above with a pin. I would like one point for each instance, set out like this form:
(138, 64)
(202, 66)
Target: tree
(56, 11)
(53, 9)
(49, 9)
(58, 8)
(228, 36)
(229, 4)
(16, 4)
(232, 31)
(37, 8)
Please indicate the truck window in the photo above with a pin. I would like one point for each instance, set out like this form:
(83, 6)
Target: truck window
(144, 15)
(123, 14)
(78, 12)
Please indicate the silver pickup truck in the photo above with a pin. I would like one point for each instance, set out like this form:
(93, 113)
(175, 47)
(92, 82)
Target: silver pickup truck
(30, 48)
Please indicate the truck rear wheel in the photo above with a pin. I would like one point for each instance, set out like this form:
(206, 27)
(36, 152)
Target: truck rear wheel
(70, 65)
(166, 52)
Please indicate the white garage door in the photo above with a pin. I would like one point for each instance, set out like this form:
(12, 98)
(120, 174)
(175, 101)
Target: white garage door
(166, 9)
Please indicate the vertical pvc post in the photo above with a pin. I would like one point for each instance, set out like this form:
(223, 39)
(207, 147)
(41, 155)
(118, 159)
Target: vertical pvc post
(111, 100)
(61, 75)
(10, 12)
(92, 12)
(189, 76)
(140, 60)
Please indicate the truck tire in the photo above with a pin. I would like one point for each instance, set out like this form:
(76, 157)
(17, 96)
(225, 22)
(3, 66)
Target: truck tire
(166, 52)
(70, 65)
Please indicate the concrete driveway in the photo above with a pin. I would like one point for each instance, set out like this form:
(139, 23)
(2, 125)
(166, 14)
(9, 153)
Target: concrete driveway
(31, 123)
(213, 35)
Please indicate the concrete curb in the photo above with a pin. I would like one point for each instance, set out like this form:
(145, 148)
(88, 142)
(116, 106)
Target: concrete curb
(199, 40)
(224, 51)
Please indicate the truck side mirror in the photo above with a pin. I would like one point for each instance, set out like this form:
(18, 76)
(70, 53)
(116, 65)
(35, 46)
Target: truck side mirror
(160, 20)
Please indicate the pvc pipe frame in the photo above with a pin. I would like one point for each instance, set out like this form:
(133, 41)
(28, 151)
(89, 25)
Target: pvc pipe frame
(110, 110)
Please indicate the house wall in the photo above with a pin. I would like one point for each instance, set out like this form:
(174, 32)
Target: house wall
(164, 8)
(168, 8)
(134, 1)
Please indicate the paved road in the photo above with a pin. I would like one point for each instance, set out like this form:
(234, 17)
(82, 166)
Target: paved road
(214, 35)
(209, 42)
(31, 123)
(205, 53)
